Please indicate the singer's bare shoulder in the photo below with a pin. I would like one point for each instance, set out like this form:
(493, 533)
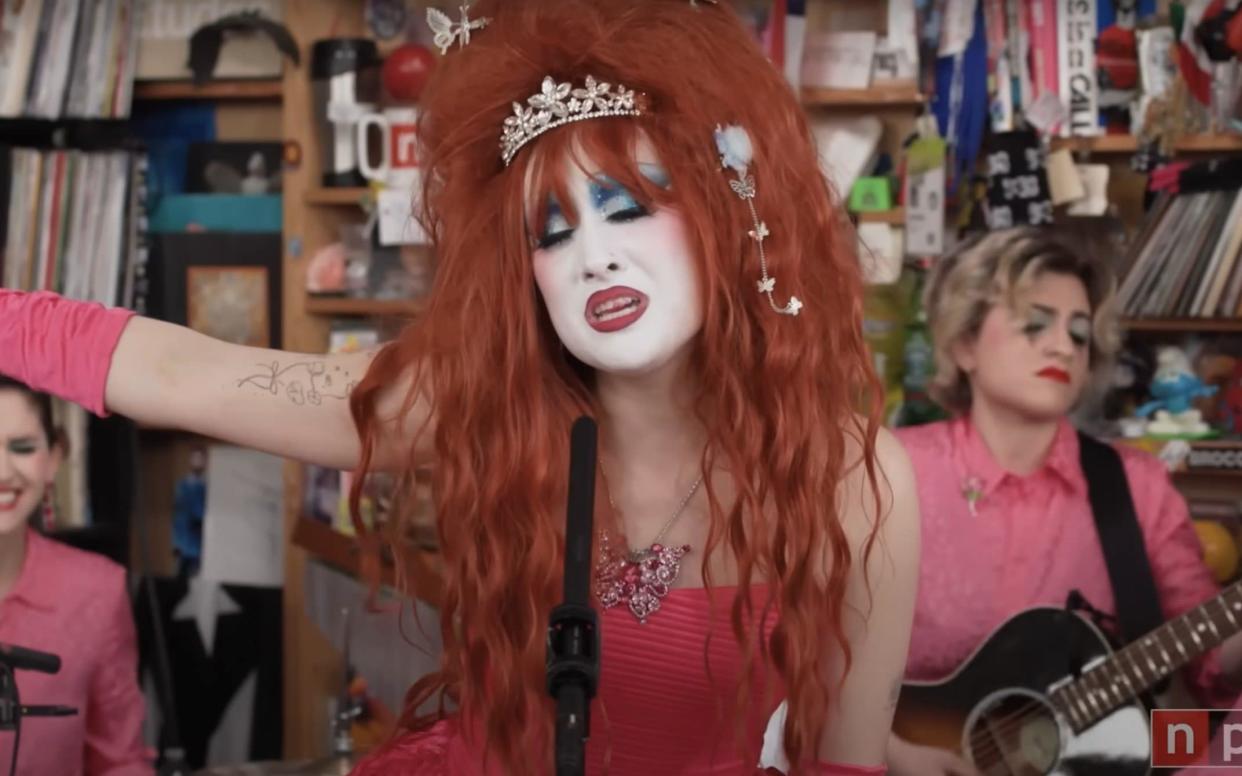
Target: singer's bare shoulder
(892, 473)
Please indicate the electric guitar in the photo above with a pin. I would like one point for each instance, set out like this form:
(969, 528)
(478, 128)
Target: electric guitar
(1046, 694)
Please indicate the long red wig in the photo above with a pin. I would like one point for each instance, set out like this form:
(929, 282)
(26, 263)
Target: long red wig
(778, 395)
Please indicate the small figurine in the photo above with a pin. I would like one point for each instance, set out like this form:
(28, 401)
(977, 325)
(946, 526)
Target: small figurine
(189, 507)
(1174, 387)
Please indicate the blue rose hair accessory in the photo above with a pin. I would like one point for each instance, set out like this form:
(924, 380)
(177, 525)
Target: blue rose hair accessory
(736, 153)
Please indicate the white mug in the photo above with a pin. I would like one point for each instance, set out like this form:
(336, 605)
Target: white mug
(398, 167)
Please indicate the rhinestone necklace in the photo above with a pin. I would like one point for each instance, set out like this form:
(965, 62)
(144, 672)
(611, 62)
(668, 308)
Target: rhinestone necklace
(639, 578)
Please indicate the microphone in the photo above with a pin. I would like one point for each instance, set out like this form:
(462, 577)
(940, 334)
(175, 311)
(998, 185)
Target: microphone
(580, 511)
(573, 631)
(28, 659)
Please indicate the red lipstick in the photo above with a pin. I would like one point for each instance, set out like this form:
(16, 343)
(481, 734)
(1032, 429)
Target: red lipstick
(615, 308)
(1053, 373)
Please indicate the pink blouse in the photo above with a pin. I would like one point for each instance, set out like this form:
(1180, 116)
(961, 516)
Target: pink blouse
(74, 604)
(1030, 541)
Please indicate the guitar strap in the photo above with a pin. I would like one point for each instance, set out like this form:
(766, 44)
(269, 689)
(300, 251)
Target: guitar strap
(1125, 553)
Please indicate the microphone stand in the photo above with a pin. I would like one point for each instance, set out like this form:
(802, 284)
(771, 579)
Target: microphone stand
(12, 711)
(573, 629)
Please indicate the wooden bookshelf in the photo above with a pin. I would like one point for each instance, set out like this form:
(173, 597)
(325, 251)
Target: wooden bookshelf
(876, 97)
(1205, 325)
(332, 305)
(341, 196)
(1128, 144)
(1100, 144)
(265, 89)
(340, 551)
(895, 217)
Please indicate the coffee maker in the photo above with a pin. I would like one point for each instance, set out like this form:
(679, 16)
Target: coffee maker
(345, 77)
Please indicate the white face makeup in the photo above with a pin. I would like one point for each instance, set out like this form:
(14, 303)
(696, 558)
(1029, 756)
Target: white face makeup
(1035, 360)
(27, 464)
(620, 285)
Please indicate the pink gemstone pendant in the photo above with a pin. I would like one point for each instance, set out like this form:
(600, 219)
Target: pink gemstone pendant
(638, 581)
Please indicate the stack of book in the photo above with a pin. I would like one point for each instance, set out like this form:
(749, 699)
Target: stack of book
(67, 58)
(70, 222)
(1185, 262)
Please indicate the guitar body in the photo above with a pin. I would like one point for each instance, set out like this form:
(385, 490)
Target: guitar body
(995, 711)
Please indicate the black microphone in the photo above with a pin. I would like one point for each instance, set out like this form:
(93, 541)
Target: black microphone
(573, 630)
(28, 659)
(580, 511)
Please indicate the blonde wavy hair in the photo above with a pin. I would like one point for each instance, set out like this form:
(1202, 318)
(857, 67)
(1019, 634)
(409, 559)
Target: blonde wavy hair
(998, 268)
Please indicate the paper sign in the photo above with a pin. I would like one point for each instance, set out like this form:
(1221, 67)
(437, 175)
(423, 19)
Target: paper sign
(1076, 66)
(397, 225)
(1064, 182)
(243, 528)
(959, 25)
(838, 60)
(1095, 180)
(1046, 113)
(880, 251)
(924, 197)
(902, 38)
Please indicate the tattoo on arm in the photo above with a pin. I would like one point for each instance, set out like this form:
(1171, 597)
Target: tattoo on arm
(301, 383)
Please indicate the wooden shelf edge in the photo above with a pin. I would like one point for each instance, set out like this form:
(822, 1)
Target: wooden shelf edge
(876, 96)
(894, 217)
(342, 553)
(333, 305)
(258, 89)
(341, 196)
(1128, 144)
(1183, 324)
(1208, 474)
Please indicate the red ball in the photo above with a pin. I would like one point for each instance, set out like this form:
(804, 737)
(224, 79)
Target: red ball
(406, 71)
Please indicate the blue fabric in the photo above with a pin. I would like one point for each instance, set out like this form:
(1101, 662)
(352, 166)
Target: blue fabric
(1105, 13)
(973, 118)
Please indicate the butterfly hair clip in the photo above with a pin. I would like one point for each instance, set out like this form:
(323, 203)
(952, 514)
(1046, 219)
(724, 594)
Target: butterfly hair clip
(447, 31)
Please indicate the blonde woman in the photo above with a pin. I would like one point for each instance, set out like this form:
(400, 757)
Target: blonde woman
(1022, 325)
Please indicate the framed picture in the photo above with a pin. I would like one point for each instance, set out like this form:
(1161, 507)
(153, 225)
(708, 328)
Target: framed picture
(229, 303)
(224, 285)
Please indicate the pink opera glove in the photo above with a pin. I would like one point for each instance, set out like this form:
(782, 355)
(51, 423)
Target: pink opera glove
(59, 346)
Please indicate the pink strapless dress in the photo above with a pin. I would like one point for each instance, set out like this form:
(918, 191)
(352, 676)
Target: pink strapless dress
(656, 710)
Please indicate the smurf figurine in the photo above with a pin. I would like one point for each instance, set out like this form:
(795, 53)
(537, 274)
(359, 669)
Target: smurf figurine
(1174, 387)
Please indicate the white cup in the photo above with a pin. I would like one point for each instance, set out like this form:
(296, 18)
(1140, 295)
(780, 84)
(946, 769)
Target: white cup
(398, 166)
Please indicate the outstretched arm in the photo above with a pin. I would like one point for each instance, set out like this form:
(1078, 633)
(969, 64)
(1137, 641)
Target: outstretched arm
(291, 404)
(295, 405)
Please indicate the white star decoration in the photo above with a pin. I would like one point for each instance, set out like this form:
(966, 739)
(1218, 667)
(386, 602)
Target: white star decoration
(761, 233)
(767, 285)
(204, 601)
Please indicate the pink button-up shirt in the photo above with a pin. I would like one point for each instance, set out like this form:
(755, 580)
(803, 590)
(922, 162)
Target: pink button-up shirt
(1030, 541)
(74, 604)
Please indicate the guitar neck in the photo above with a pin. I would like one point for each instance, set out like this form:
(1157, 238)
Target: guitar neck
(1130, 671)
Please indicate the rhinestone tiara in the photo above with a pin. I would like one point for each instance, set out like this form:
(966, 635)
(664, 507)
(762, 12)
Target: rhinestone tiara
(558, 104)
